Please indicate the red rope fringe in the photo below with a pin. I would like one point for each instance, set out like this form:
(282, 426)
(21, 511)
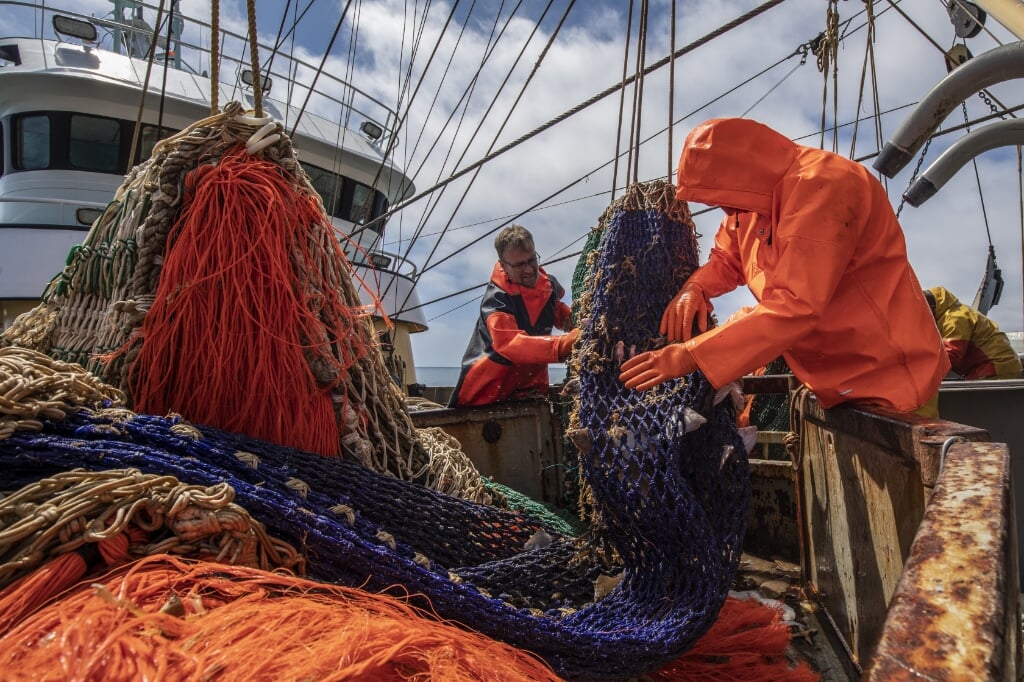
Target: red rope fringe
(247, 301)
(747, 643)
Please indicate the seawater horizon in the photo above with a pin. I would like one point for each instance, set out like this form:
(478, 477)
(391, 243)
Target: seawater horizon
(448, 376)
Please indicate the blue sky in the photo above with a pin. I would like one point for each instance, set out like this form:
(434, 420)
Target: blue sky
(947, 236)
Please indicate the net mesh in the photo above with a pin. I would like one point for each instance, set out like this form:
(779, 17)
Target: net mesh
(667, 503)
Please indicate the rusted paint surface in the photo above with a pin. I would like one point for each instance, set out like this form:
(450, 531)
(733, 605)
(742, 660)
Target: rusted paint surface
(518, 444)
(864, 482)
(772, 530)
(954, 613)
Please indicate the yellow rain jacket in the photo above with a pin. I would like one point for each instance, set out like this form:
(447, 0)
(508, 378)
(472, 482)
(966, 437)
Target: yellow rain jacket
(816, 241)
(976, 347)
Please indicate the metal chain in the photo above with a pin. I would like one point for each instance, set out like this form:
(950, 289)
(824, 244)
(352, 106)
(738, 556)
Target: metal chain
(917, 169)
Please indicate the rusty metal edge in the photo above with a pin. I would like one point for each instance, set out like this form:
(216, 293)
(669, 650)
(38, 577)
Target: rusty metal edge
(954, 614)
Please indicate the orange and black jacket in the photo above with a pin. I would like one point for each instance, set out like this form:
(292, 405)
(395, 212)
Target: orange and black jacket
(511, 345)
(977, 348)
(816, 241)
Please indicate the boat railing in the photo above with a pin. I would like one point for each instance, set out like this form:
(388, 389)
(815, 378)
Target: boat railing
(36, 211)
(311, 87)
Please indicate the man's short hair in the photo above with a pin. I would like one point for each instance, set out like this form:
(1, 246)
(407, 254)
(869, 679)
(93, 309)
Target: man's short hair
(513, 237)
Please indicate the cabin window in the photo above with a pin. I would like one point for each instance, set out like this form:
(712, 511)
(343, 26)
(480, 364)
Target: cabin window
(362, 203)
(148, 138)
(328, 185)
(347, 199)
(32, 142)
(94, 143)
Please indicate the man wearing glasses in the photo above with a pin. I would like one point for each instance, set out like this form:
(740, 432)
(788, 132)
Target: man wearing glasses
(511, 347)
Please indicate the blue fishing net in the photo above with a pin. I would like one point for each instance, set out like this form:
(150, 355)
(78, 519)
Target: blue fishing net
(668, 504)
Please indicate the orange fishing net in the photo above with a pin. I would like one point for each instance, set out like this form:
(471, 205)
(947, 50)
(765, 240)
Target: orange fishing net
(166, 618)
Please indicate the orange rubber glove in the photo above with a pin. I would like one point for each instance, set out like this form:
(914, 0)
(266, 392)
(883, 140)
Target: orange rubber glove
(565, 343)
(690, 305)
(643, 371)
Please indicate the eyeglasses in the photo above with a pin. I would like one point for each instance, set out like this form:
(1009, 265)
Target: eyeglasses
(528, 263)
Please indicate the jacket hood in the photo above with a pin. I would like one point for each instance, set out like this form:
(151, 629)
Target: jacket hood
(944, 300)
(734, 162)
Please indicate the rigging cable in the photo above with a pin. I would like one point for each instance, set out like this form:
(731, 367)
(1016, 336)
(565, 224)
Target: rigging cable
(461, 107)
(671, 92)
(869, 60)
(316, 76)
(622, 98)
(638, 91)
(463, 104)
(257, 82)
(565, 187)
(760, 9)
(827, 55)
(595, 170)
(214, 56)
(145, 83)
(769, 4)
(803, 60)
(427, 266)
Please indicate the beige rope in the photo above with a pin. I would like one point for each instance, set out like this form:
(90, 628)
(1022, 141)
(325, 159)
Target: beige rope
(34, 387)
(828, 59)
(62, 513)
(450, 470)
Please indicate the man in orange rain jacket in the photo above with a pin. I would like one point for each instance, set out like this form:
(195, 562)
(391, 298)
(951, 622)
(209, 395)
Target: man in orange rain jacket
(508, 354)
(976, 347)
(813, 236)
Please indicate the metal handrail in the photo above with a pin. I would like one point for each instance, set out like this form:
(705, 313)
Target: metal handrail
(230, 38)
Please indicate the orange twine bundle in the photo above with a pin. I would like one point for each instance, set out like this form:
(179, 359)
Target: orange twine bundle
(747, 643)
(164, 618)
(250, 331)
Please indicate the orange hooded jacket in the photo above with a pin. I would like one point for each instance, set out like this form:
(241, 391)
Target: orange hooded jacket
(815, 239)
(512, 345)
(976, 347)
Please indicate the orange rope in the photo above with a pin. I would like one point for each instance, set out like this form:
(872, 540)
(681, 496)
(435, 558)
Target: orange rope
(747, 643)
(246, 307)
(164, 618)
(28, 593)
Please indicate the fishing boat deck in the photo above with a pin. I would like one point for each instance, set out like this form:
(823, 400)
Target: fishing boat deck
(892, 539)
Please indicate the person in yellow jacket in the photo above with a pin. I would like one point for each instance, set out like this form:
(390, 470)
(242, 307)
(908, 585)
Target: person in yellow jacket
(976, 347)
(510, 349)
(813, 236)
